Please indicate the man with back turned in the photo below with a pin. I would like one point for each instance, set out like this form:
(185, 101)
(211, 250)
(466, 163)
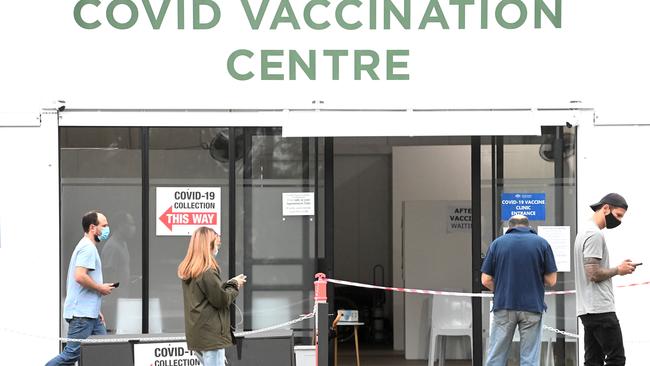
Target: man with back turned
(516, 267)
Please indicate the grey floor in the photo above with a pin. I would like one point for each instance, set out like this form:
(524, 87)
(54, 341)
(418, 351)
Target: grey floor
(391, 360)
(372, 356)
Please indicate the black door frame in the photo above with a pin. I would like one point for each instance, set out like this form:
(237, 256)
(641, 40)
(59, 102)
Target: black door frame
(477, 287)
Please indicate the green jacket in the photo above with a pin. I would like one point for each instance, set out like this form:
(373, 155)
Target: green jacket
(207, 303)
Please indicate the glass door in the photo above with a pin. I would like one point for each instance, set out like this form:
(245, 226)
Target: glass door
(542, 171)
(277, 199)
(256, 188)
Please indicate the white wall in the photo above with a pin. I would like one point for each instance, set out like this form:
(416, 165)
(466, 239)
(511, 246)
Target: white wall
(29, 252)
(614, 159)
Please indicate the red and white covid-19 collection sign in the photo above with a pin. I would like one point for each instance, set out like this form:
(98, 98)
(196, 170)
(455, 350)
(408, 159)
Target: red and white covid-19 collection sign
(181, 210)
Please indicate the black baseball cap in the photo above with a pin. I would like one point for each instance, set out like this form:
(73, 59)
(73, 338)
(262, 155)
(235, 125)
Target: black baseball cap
(612, 199)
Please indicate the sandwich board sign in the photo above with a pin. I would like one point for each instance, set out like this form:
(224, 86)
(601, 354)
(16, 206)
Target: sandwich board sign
(164, 354)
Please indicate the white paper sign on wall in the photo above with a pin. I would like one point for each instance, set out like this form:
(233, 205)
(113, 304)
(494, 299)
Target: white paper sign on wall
(163, 354)
(298, 204)
(181, 210)
(559, 237)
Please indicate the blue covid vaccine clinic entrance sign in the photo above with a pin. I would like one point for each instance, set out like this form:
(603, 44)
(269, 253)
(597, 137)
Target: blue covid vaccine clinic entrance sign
(531, 205)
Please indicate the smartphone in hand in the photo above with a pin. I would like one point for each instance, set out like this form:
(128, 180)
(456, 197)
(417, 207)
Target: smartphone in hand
(115, 285)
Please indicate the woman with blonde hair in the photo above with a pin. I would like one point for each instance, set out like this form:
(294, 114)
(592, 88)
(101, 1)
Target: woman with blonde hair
(207, 299)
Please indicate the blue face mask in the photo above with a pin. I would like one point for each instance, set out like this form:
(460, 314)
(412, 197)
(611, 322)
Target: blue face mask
(216, 253)
(106, 231)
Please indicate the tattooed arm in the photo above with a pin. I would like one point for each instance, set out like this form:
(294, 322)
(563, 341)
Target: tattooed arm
(596, 273)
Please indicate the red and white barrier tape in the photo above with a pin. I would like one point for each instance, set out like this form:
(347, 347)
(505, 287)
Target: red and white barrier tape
(450, 293)
(409, 290)
(635, 284)
(618, 286)
(465, 294)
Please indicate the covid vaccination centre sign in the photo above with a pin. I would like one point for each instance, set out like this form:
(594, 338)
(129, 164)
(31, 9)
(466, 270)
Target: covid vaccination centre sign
(286, 55)
(317, 62)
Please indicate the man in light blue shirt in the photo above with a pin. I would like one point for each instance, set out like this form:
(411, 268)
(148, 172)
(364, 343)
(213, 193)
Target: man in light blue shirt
(85, 288)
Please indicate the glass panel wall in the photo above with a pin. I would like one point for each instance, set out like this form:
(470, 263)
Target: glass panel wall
(101, 170)
(192, 159)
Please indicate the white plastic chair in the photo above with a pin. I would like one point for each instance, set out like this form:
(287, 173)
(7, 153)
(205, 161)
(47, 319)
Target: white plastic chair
(129, 316)
(450, 316)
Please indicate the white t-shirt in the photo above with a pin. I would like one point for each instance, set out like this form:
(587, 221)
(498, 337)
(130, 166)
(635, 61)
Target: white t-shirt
(592, 297)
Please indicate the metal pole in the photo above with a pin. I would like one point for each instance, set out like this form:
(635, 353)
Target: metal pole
(477, 316)
(232, 213)
(248, 219)
(322, 344)
(145, 228)
(329, 226)
(558, 160)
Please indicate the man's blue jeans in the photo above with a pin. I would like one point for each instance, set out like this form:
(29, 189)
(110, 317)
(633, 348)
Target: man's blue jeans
(78, 328)
(215, 357)
(502, 331)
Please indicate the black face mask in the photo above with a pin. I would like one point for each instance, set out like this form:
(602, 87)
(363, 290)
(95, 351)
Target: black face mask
(611, 221)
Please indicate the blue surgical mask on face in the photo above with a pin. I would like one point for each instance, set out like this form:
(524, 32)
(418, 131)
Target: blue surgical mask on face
(216, 252)
(106, 231)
